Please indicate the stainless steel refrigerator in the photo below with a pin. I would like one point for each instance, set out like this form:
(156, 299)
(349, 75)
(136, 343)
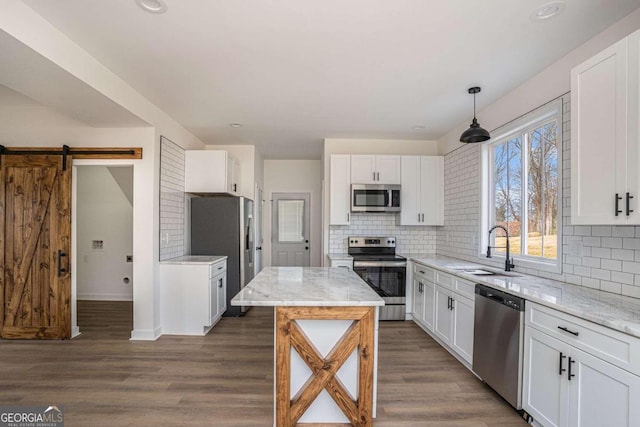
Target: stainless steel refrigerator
(223, 225)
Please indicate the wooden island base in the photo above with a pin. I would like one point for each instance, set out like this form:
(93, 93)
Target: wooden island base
(360, 337)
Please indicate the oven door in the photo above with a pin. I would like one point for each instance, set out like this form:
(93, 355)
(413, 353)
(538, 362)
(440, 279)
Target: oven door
(387, 279)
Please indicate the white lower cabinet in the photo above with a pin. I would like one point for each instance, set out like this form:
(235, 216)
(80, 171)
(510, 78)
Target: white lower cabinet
(566, 386)
(463, 321)
(193, 297)
(443, 326)
(423, 301)
(443, 306)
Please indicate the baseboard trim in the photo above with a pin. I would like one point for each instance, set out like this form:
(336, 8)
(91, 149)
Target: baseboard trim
(146, 334)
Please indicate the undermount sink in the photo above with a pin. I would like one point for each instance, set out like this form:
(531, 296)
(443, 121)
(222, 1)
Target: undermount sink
(484, 272)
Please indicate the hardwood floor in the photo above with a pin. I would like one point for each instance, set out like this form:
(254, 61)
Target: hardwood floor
(225, 378)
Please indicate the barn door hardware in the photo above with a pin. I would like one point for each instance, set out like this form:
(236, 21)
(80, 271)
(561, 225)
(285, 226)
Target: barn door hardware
(65, 151)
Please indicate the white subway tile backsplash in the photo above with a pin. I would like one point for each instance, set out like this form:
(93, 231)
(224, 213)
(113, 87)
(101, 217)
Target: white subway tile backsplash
(172, 200)
(623, 231)
(409, 239)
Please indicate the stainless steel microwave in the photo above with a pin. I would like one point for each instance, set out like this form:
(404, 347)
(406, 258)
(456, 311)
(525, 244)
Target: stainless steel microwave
(375, 198)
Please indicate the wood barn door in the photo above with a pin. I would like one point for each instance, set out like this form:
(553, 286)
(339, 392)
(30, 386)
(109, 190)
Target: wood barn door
(35, 243)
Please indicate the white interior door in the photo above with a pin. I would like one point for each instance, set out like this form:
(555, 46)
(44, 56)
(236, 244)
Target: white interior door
(290, 230)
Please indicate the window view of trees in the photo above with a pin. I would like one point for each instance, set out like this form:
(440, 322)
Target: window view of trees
(525, 177)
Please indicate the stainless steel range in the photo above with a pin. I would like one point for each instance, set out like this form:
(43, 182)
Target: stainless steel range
(375, 260)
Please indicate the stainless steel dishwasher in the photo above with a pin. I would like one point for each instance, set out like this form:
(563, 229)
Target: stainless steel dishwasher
(498, 342)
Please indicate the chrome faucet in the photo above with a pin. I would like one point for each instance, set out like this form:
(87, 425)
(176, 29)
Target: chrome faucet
(508, 263)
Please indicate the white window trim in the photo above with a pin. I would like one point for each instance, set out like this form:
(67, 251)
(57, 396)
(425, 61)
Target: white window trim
(518, 126)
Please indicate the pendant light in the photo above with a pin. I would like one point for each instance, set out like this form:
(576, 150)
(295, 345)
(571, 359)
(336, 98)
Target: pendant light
(475, 133)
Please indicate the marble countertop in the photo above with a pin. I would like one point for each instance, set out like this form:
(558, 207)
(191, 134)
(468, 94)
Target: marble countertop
(339, 256)
(617, 312)
(195, 259)
(307, 286)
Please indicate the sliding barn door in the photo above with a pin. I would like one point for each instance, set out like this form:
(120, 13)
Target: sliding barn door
(35, 208)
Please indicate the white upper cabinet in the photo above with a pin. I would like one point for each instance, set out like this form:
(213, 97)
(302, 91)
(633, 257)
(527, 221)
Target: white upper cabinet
(340, 189)
(604, 136)
(375, 169)
(422, 191)
(211, 171)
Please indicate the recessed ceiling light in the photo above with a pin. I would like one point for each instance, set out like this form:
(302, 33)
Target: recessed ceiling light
(419, 127)
(153, 6)
(548, 11)
(236, 125)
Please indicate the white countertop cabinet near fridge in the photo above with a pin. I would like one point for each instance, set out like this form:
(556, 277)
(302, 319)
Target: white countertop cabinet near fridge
(194, 297)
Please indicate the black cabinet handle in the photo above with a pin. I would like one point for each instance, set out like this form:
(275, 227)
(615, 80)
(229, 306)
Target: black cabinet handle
(561, 370)
(562, 328)
(453, 307)
(629, 197)
(449, 303)
(61, 270)
(618, 198)
(571, 362)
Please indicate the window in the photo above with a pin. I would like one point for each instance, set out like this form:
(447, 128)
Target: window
(524, 168)
(290, 221)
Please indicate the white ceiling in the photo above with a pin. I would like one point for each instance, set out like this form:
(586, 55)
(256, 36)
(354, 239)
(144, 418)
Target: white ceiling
(295, 72)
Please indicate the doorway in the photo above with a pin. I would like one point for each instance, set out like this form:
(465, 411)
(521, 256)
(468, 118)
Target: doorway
(290, 219)
(103, 249)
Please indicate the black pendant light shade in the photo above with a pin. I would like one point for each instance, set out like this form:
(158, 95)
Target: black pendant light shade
(475, 133)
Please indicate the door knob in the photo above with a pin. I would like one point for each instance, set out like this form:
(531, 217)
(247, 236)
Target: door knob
(258, 248)
(306, 248)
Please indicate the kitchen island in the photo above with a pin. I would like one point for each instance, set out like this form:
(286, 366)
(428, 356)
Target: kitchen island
(326, 329)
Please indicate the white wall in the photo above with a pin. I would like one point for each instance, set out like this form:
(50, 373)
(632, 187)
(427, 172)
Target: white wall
(549, 84)
(294, 176)
(364, 146)
(103, 213)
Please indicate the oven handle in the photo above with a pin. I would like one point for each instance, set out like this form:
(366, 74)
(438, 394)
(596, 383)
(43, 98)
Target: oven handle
(357, 264)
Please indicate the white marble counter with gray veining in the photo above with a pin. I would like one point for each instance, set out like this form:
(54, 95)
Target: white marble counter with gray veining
(195, 259)
(307, 286)
(617, 312)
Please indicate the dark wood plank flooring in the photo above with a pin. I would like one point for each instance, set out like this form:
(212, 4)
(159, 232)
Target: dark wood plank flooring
(226, 378)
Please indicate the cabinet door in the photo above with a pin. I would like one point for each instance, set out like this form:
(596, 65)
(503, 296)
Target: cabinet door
(601, 394)
(431, 190)
(340, 190)
(205, 171)
(545, 388)
(410, 190)
(221, 289)
(443, 324)
(233, 176)
(463, 321)
(213, 300)
(599, 136)
(418, 301)
(363, 169)
(388, 169)
(429, 291)
(633, 127)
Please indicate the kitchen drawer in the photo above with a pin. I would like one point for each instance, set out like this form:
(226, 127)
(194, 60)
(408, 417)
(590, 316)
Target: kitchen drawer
(425, 272)
(445, 280)
(218, 267)
(342, 263)
(620, 349)
(464, 287)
